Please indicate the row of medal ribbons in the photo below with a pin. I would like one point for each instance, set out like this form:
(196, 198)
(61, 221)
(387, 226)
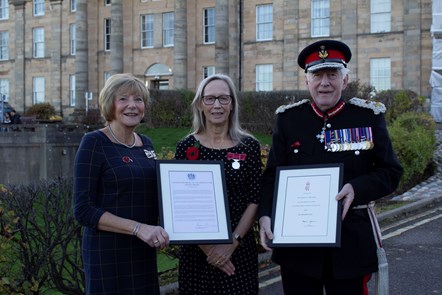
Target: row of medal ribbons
(350, 139)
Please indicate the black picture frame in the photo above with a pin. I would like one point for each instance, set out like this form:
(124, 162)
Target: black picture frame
(193, 202)
(305, 212)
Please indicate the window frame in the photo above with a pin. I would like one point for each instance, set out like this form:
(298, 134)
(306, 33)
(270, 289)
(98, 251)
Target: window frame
(320, 18)
(4, 89)
(73, 5)
(38, 7)
(72, 93)
(208, 71)
(4, 9)
(163, 85)
(263, 71)
(107, 34)
(38, 89)
(168, 29)
(209, 23)
(147, 30)
(4, 45)
(380, 16)
(73, 39)
(106, 75)
(264, 22)
(380, 73)
(38, 42)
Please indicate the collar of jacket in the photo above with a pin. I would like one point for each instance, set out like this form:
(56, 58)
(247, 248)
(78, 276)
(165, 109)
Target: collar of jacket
(328, 113)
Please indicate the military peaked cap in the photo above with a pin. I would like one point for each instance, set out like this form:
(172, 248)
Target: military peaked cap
(324, 54)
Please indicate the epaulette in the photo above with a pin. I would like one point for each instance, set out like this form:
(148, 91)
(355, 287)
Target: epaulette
(281, 109)
(377, 107)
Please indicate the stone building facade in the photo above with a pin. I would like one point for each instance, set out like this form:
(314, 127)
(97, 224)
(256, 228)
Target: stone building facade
(173, 44)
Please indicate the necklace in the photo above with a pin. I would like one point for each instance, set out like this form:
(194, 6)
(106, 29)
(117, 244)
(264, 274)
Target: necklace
(116, 139)
(218, 146)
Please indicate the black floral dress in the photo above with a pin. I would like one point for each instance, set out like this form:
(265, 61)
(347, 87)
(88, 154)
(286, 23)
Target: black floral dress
(243, 169)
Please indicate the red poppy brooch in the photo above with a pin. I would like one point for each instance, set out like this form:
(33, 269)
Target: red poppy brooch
(193, 152)
(126, 159)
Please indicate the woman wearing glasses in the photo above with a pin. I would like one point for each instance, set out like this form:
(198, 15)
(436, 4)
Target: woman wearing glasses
(217, 135)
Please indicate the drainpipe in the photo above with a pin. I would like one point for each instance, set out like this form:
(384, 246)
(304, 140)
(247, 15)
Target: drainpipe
(240, 45)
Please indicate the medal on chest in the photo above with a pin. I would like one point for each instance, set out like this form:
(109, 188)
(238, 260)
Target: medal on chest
(236, 158)
(325, 116)
(350, 139)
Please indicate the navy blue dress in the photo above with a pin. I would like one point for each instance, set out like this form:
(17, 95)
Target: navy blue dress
(196, 276)
(120, 180)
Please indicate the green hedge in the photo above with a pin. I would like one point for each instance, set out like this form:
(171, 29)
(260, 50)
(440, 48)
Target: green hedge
(169, 108)
(413, 138)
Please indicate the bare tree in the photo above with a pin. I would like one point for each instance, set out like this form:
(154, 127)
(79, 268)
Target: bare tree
(45, 238)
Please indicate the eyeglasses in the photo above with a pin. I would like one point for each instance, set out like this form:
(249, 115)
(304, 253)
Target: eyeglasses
(223, 99)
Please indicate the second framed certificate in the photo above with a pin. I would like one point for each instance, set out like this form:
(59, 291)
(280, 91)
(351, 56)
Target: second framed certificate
(305, 212)
(193, 201)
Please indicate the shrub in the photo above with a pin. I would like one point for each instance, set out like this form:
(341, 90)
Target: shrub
(399, 102)
(93, 117)
(8, 224)
(414, 141)
(42, 111)
(170, 108)
(356, 89)
(257, 108)
(43, 244)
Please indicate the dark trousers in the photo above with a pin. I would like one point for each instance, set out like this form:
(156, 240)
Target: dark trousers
(294, 283)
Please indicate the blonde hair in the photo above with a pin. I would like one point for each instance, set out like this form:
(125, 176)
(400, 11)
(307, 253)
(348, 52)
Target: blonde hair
(199, 121)
(115, 85)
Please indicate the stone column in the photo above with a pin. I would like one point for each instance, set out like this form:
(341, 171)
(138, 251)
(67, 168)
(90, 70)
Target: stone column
(19, 64)
(180, 45)
(349, 28)
(412, 50)
(81, 57)
(291, 47)
(222, 37)
(55, 53)
(234, 51)
(116, 39)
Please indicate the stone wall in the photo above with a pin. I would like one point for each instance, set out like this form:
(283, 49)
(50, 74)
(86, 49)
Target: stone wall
(33, 152)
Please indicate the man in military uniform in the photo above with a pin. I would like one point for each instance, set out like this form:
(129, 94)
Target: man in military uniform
(329, 130)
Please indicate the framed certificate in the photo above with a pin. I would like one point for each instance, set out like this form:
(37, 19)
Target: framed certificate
(305, 212)
(193, 201)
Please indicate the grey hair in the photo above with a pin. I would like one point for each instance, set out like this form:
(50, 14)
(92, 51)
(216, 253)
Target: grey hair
(343, 71)
(199, 121)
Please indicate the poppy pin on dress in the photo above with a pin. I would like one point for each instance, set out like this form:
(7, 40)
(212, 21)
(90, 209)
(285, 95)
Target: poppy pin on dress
(127, 159)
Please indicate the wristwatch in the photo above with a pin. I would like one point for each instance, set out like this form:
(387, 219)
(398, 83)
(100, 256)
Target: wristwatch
(238, 238)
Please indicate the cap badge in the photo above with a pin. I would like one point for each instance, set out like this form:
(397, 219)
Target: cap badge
(322, 53)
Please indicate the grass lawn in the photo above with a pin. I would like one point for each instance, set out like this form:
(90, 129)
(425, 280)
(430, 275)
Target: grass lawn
(165, 262)
(167, 138)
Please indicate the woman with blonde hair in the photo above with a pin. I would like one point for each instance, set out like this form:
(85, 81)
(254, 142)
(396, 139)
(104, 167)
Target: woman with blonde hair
(217, 135)
(115, 195)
